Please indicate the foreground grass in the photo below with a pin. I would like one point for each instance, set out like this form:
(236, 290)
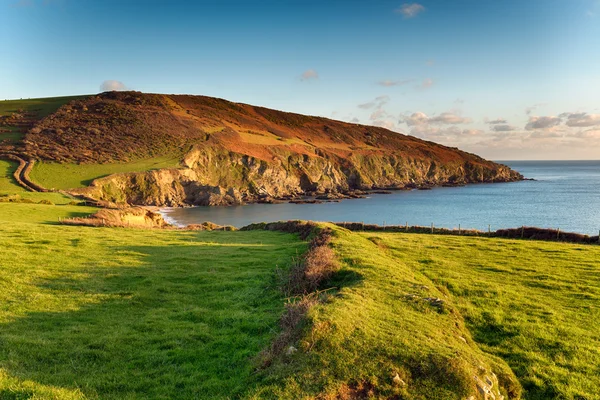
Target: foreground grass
(534, 304)
(69, 176)
(526, 310)
(123, 313)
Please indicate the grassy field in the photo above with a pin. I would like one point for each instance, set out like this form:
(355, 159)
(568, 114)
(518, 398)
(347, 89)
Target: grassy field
(123, 313)
(434, 309)
(38, 108)
(68, 176)
(533, 304)
(10, 189)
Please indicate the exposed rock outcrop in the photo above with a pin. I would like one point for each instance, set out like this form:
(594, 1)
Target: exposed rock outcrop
(216, 176)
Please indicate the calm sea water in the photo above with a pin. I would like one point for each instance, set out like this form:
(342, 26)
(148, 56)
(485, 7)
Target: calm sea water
(565, 195)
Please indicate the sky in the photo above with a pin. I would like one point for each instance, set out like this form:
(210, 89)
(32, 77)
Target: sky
(507, 80)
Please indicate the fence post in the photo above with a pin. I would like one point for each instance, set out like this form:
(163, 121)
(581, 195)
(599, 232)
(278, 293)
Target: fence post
(432, 227)
(522, 231)
(407, 229)
(489, 230)
(558, 234)
(459, 229)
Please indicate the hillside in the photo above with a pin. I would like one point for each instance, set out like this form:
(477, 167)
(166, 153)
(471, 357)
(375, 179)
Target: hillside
(182, 150)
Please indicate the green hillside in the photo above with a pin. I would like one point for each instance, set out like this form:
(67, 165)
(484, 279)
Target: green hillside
(131, 313)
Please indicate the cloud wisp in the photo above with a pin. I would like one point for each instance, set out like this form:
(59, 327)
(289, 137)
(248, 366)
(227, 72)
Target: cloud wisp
(542, 122)
(581, 120)
(410, 10)
(427, 83)
(445, 118)
(390, 83)
(309, 74)
(111, 85)
(503, 128)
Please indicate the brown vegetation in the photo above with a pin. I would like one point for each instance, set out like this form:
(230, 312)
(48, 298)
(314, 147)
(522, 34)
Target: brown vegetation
(301, 283)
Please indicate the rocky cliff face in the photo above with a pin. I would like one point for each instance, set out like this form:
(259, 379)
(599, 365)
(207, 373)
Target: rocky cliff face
(216, 176)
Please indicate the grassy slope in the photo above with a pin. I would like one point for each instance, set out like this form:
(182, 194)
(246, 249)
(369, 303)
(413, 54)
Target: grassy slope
(68, 176)
(535, 304)
(531, 305)
(98, 312)
(9, 188)
(39, 108)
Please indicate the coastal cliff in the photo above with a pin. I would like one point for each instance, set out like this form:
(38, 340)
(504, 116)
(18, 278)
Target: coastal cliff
(235, 153)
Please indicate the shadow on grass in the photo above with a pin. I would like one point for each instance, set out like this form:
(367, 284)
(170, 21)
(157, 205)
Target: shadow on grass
(179, 322)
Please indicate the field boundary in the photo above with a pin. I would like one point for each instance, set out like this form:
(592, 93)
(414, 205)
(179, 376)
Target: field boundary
(523, 232)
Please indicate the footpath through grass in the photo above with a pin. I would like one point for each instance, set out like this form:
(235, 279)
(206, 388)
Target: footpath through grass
(69, 176)
(124, 313)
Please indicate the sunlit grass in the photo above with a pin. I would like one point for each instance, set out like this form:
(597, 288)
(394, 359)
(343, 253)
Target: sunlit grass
(68, 176)
(123, 313)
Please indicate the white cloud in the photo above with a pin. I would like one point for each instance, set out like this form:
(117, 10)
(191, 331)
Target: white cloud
(410, 10)
(379, 102)
(496, 121)
(427, 83)
(446, 118)
(309, 74)
(581, 119)
(542, 122)
(378, 114)
(387, 124)
(388, 83)
(532, 108)
(110, 85)
(504, 128)
(450, 135)
(588, 134)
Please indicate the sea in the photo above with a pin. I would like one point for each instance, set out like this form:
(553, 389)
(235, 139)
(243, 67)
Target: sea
(562, 194)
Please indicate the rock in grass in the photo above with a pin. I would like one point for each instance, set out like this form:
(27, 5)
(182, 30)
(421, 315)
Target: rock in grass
(290, 351)
(398, 381)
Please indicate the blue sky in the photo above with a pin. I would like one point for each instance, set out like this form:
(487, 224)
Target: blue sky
(507, 79)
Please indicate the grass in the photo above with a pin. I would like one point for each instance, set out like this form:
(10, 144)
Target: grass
(433, 309)
(10, 189)
(39, 108)
(533, 304)
(68, 176)
(125, 314)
